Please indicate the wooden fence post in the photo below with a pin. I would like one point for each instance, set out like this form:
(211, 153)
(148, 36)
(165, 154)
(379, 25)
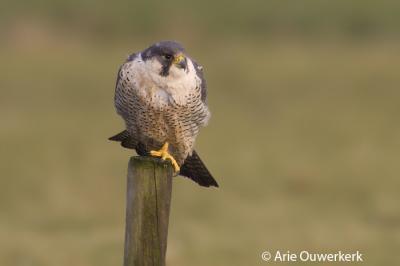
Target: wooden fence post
(148, 202)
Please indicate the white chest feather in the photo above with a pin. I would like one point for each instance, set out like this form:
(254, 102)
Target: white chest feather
(158, 90)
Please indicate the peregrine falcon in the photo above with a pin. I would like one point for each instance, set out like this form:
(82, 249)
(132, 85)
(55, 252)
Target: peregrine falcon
(161, 95)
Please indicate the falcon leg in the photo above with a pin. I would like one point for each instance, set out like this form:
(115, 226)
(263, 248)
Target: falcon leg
(164, 154)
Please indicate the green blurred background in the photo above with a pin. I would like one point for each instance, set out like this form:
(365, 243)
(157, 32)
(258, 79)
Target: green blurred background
(304, 138)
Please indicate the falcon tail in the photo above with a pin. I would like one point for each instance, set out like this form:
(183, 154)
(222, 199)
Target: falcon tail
(192, 168)
(195, 169)
(124, 139)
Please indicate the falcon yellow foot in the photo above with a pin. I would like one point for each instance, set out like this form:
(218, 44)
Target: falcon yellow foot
(164, 154)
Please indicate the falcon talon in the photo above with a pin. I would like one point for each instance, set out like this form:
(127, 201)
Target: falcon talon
(164, 154)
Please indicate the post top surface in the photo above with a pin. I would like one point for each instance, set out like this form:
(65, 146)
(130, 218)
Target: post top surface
(149, 161)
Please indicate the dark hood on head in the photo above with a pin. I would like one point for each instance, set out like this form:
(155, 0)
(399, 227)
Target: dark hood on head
(163, 47)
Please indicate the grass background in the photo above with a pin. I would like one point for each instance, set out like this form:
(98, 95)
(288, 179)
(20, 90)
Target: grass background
(304, 138)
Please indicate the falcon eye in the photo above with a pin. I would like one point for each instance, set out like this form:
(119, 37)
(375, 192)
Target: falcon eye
(167, 56)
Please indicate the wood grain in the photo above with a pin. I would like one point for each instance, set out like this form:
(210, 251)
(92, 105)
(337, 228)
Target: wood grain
(147, 211)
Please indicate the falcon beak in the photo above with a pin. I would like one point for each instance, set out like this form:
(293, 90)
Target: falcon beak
(180, 61)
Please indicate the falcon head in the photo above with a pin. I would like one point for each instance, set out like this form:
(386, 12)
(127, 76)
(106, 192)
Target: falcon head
(166, 58)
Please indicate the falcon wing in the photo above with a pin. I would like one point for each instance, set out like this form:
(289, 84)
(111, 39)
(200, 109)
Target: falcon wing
(203, 84)
(121, 101)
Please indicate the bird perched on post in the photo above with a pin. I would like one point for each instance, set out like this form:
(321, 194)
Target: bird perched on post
(161, 95)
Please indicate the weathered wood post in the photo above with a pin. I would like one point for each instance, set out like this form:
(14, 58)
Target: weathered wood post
(148, 202)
